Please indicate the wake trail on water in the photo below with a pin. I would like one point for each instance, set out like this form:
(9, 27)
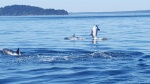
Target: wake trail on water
(46, 55)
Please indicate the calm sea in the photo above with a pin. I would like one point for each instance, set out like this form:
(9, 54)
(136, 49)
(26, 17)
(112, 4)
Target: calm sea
(49, 59)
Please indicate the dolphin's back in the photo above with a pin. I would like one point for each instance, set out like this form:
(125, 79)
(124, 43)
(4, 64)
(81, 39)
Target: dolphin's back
(9, 52)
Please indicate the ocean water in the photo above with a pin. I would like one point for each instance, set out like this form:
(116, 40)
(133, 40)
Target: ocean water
(47, 58)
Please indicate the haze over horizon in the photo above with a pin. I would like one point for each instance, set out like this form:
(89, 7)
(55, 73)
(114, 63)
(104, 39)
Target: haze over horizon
(84, 5)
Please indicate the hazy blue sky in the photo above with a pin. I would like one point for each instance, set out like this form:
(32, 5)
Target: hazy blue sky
(84, 5)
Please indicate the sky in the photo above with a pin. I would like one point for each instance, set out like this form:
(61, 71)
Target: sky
(84, 5)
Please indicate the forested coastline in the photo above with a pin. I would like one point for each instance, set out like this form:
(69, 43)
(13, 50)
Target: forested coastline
(23, 10)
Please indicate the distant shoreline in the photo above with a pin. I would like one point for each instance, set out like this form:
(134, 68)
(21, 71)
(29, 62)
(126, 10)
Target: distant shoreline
(25, 10)
(137, 11)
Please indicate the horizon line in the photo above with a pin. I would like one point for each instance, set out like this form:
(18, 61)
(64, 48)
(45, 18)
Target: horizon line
(145, 10)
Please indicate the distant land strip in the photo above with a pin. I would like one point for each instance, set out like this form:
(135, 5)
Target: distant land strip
(113, 12)
(24, 10)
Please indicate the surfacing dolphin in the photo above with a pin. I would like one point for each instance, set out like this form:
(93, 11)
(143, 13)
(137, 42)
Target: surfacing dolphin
(94, 32)
(74, 38)
(11, 52)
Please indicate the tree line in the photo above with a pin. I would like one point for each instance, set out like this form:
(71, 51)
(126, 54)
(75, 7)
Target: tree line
(19, 10)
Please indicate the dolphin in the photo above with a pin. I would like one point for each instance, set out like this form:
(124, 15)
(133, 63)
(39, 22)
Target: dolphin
(74, 38)
(94, 32)
(11, 52)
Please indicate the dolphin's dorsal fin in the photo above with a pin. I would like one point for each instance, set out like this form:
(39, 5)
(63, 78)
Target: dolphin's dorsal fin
(18, 52)
(74, 35)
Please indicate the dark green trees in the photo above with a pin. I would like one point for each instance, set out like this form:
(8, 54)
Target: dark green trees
(19, 10)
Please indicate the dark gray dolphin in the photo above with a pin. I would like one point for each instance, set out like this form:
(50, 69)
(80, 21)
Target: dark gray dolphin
(11, 52)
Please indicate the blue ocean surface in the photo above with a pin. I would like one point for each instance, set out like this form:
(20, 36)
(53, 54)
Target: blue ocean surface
(47, 58)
